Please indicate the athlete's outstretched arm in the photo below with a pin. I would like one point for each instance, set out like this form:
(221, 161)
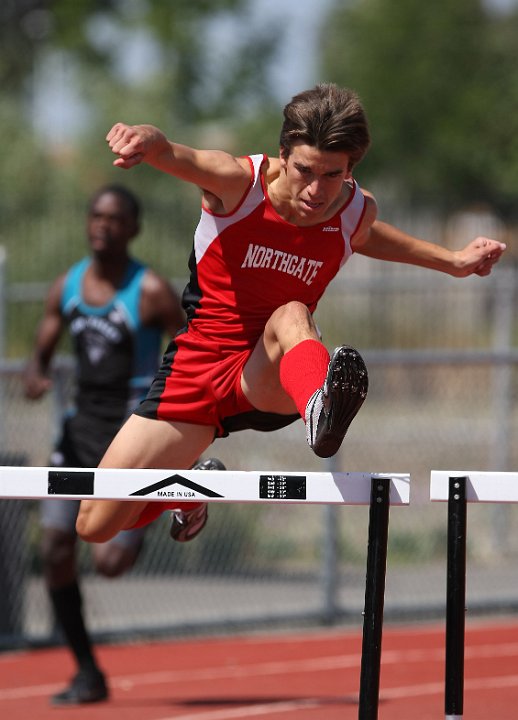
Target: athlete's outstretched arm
(214, 171)
(386, 242)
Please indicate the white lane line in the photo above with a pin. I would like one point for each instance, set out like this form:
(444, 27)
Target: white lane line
(389, 657)
(250, 710)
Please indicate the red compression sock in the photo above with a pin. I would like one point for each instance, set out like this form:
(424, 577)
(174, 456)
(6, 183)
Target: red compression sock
(303, 370)
(155, 509)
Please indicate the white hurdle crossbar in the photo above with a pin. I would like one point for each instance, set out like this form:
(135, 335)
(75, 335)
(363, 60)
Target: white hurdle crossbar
(457, 488)
(346, 488)
(485, 487)
(378, 490)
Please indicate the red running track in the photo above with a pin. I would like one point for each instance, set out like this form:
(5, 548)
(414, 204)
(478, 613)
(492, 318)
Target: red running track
(309, 675)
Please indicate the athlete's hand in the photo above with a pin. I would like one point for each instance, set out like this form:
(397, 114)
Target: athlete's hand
(478, 257)
(36, 385)
(135, 143)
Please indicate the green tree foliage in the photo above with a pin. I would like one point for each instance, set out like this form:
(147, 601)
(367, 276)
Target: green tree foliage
(28, 25)
(440, 84)
(94, 34)
(93, 40)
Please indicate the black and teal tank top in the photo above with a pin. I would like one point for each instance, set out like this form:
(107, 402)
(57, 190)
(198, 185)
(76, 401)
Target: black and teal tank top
(117, 356)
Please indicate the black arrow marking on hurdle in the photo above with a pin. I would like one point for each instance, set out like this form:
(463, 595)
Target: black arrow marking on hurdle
(176, 480)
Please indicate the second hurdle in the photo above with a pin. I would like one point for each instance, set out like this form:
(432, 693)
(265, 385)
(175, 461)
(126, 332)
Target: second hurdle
(457, 488)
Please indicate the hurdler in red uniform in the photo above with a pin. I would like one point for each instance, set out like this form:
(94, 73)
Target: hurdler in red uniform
(273, 233)
(244, 265)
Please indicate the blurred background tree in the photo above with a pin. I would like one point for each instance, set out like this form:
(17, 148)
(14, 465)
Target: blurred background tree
(440, 84)
(133, 60)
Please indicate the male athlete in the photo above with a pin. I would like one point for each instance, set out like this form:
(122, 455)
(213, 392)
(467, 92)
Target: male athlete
(272, 235)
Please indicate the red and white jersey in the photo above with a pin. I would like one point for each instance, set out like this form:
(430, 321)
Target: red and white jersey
(249, 262)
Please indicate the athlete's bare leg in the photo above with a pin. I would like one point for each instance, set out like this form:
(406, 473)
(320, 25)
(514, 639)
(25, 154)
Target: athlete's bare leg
(140, 443)
(291, 371)
(288, 326)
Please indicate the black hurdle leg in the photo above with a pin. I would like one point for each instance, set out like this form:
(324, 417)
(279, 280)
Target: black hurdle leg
(374, 599)
(455, 598)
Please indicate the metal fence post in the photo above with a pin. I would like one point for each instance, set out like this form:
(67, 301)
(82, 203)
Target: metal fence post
(502, 400)
(3, 300)
(330, 556)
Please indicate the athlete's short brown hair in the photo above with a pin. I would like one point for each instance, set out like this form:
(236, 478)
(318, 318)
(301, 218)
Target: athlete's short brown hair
(327, 117)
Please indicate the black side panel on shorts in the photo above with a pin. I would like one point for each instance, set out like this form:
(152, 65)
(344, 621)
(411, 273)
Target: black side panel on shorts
(149, 406)
(257, 420)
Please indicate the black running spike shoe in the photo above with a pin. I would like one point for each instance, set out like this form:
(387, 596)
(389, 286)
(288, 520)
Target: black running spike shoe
(186, 524)
(88, 686)
(332, 408)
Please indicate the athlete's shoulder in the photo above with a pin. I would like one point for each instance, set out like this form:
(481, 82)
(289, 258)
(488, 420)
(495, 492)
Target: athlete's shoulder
(72, 280)
(360, 196)
(371, 206)
(368, 218)
(79, 266)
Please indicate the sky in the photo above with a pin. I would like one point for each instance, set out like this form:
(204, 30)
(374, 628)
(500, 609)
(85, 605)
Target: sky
(295, 68)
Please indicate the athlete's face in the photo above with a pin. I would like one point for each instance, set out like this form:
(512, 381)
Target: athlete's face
(110, 226)
(315, 179)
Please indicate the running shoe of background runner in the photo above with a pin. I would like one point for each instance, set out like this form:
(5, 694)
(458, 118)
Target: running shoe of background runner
(85, 687)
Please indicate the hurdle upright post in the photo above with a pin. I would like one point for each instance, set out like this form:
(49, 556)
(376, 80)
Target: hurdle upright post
(374, 599)
(455, 598)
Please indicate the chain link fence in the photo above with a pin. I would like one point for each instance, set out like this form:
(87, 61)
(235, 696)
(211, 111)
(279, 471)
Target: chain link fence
(443, 382)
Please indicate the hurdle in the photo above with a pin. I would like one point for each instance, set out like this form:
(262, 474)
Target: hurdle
(458, 488)
(377, 490)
